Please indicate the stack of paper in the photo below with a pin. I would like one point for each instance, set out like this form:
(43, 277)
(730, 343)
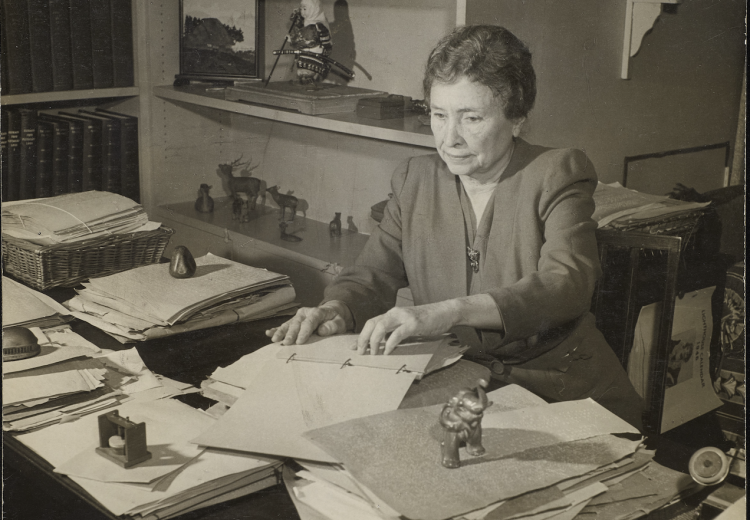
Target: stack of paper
(621, 208)
(147, 302)
(48, 388)
(25, 307)
(180, 476)
(72, 217)
(542, 461)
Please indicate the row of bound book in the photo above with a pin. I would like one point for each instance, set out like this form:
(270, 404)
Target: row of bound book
(50, 45)
(46, 154)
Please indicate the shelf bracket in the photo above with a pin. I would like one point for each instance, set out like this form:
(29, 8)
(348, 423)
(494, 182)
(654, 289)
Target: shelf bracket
(640, 17)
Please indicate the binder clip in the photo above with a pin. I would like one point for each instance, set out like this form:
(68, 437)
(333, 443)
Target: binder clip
(121, 440)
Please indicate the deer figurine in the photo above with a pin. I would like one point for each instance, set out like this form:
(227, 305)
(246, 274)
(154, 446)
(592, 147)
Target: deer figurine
(204, 203)
(283, 201)
(250, 186)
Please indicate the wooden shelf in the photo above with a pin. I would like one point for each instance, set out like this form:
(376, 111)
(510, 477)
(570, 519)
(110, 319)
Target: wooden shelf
(407, 130)
(317, 248)
(69, 95)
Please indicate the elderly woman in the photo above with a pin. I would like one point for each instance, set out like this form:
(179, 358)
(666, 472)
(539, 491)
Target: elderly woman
(493, 236)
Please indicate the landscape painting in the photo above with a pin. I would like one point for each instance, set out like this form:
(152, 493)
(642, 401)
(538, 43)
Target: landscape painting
(220, 39)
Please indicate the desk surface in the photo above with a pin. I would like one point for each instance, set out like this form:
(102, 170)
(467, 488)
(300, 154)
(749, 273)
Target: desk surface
(32, 490)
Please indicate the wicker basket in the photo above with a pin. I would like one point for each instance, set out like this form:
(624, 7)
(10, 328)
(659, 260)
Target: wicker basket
(44, 267)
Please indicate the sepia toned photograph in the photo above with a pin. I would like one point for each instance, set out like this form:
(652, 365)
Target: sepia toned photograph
(373, 259)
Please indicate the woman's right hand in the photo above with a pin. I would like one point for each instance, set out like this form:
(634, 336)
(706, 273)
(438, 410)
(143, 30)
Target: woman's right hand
(332, 317)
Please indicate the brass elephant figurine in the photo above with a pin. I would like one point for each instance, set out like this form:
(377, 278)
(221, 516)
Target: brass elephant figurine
(461, 419)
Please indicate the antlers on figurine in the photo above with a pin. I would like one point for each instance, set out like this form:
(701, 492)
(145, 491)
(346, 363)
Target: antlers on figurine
(461, 419)
(250, 186)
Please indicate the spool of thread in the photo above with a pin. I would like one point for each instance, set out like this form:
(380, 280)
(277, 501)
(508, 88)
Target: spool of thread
(709, 466)
(117, 444)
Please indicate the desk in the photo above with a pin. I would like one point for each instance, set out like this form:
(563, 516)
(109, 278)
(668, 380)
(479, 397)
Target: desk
(32, 490)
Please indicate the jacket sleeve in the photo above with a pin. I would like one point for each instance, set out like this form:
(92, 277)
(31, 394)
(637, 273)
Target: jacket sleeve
(369, 287)
(568, 267)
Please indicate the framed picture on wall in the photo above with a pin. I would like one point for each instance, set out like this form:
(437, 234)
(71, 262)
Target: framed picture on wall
(220, 40)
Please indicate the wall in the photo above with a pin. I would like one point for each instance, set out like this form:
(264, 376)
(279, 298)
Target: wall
(330, 172)
(685, 82)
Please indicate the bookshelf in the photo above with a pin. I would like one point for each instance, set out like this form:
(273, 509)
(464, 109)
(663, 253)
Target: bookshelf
(69, 95)
(128, 73)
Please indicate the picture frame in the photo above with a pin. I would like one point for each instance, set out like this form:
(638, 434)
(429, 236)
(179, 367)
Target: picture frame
(221, 41)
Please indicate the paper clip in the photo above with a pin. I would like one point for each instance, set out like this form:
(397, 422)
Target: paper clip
(346, 363)
(291, 357)
(402, 369)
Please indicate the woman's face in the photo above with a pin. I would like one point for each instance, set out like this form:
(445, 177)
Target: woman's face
(472, 134)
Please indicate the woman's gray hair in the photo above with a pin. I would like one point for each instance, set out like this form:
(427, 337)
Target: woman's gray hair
(490, 55)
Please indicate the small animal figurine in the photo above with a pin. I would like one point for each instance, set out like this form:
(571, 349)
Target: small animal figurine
(310, 33)
(334, 228)
(461, 419)
(250, 186)
(237, 205)
(284, 201)
(204, 203)
(350, 225)
(287, 236)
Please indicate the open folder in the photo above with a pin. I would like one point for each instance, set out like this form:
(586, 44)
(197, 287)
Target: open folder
(303, 387)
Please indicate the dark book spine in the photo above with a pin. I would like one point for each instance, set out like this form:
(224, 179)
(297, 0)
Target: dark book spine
(41, 49)
(13, 124)
(4, 153)
(75, 156)
(28, 153)
(44, 158)
(60, 161)
(92, 156)
(129, 164)
(62, 61)
(80, 44)
(3, 54)
(101, 43)
(122, 43)
(18, 51)
(111, 156)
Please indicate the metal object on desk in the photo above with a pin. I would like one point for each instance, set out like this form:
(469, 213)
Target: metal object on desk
(709, 466)
(461, 419)
(19, 343)
(121, 440)
(182, 264)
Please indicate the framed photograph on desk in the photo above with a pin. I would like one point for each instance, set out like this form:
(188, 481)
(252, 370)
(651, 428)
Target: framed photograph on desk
(220, 40)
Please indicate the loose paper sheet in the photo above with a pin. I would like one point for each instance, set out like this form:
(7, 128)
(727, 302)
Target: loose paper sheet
(51, 385)
(23, 305)
(169, 427)
(243, 371)
(49, 355)
(413, 355)
(397, 456)
(170, 299)
(287, 399)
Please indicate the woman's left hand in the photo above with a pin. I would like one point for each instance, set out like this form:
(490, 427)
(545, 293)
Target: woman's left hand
(402, 322)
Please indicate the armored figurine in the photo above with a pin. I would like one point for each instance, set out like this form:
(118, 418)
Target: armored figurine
(310, 33)
(461, 419)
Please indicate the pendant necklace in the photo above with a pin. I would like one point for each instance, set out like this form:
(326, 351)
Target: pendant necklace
(470, 226)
